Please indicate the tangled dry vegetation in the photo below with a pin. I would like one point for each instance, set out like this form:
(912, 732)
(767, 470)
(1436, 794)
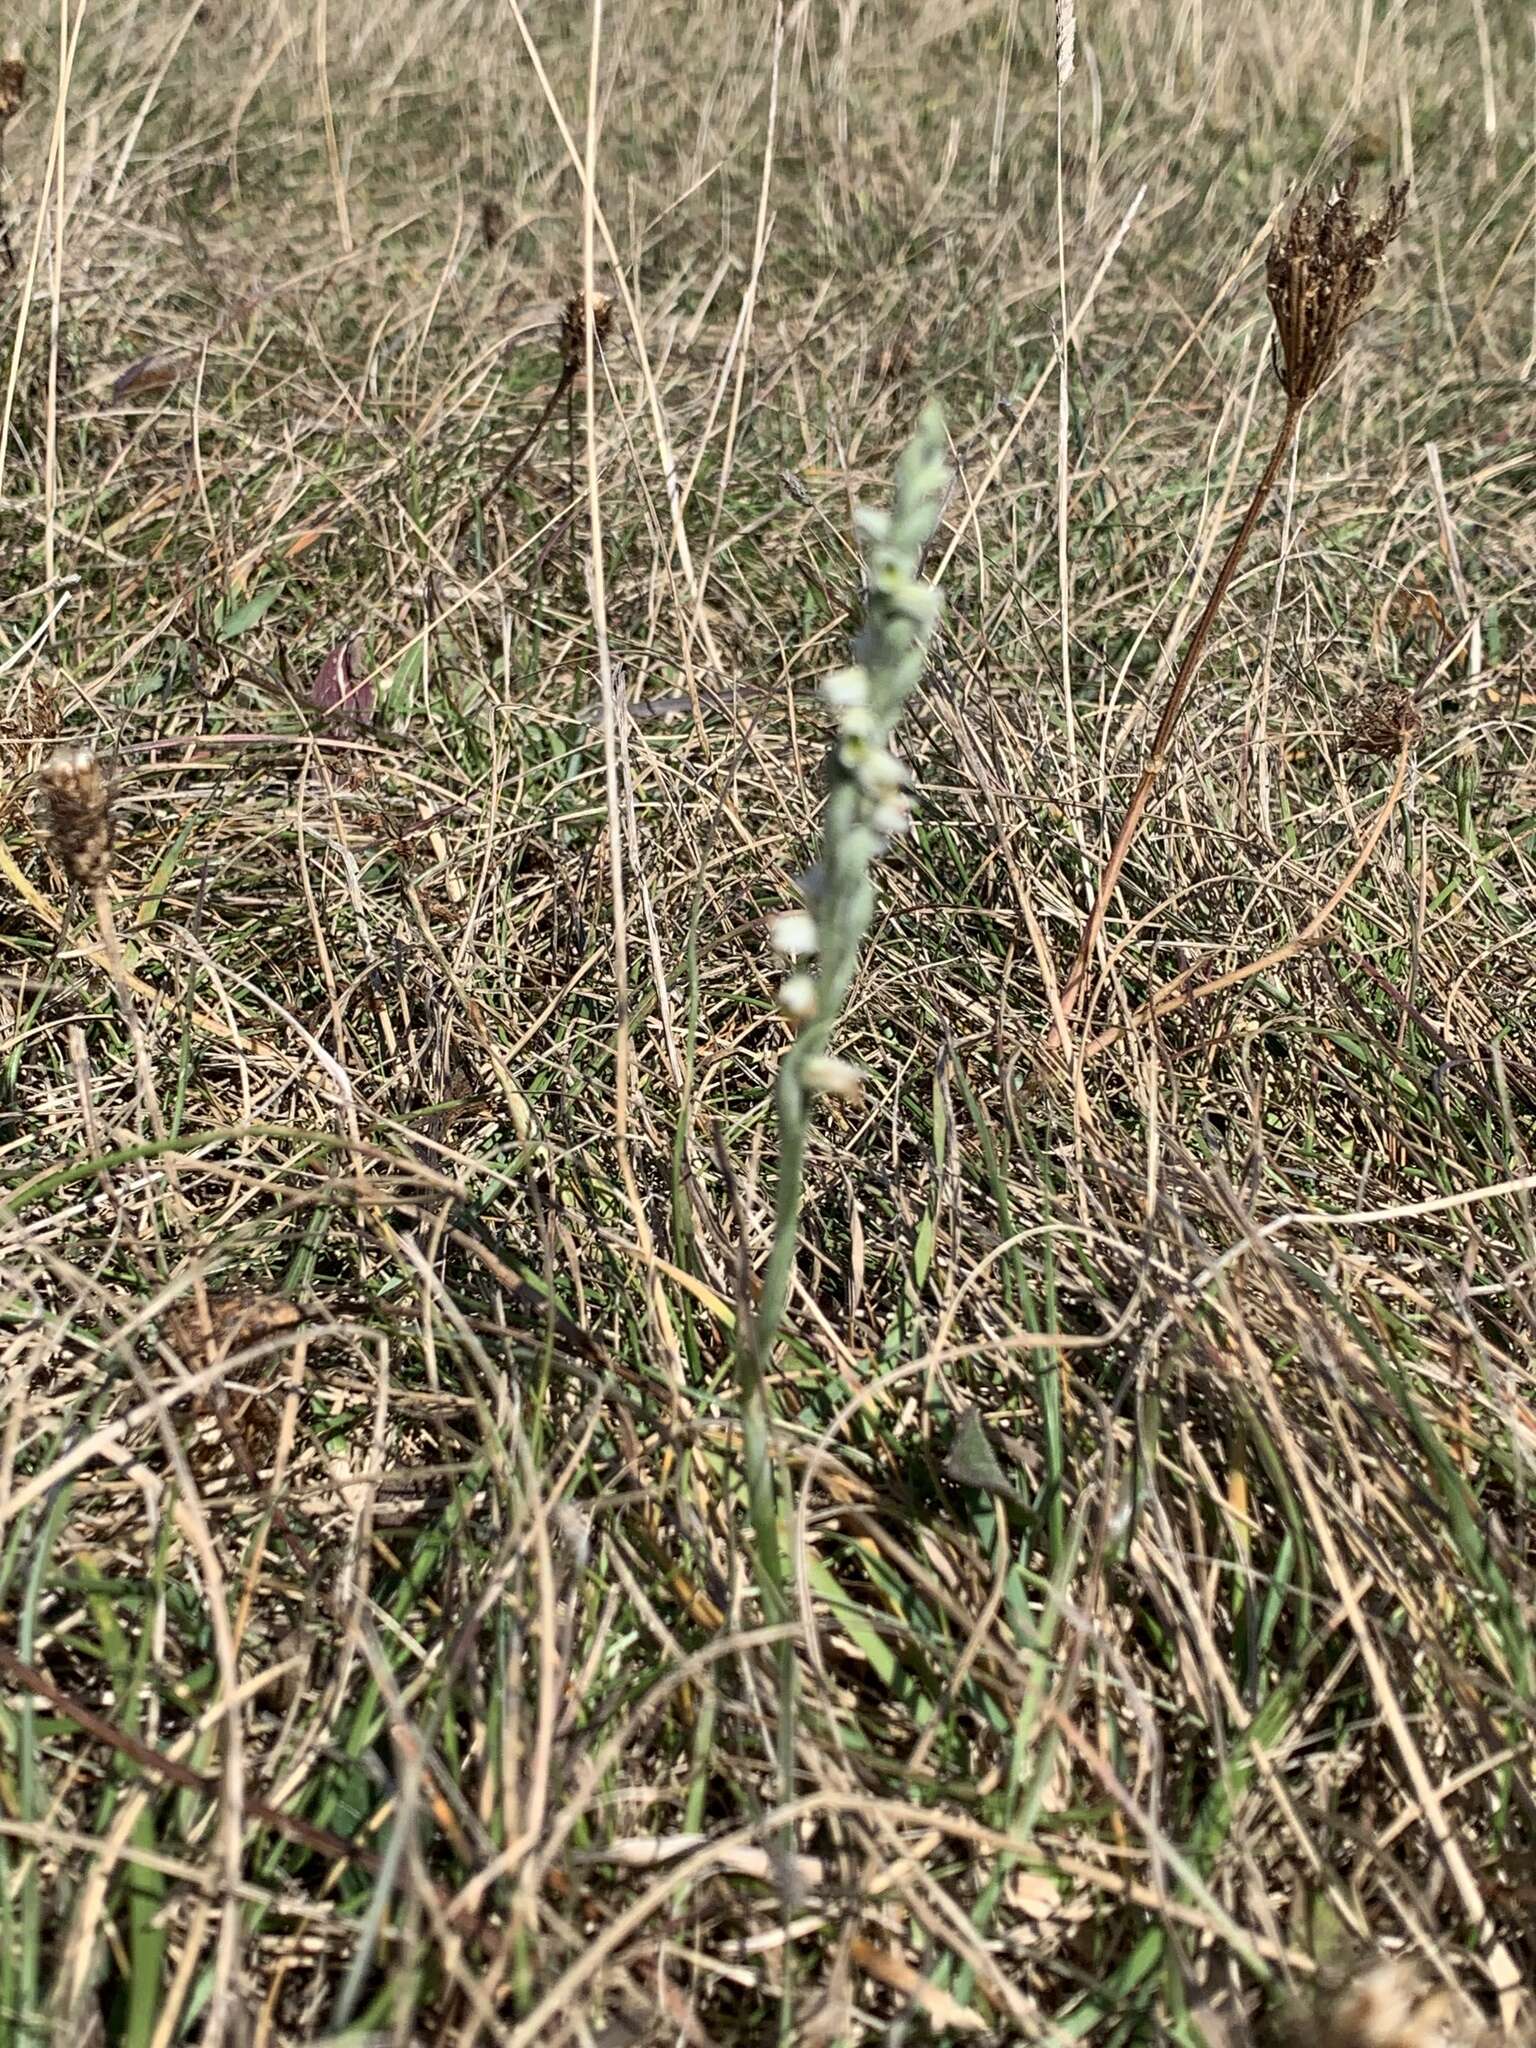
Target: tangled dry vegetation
(387, 1039)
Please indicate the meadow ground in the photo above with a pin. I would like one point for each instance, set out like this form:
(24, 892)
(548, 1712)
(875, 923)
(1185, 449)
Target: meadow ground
(388, 1146)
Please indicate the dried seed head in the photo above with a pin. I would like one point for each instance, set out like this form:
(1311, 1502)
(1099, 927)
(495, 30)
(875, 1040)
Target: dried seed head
(573, 328)
(1321, 272)
(1066, 43)
(236, 1321)
(1389, 2007)
(79, 814)
(1386, 720)
(13, 82)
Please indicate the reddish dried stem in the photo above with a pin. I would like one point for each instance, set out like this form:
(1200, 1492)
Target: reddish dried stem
(323, 1840)
(1178, 696)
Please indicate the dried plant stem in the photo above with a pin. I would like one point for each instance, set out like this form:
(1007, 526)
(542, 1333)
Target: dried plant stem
(117, 969)
(35, 901)
(324, 1841)
(1178, 697)
(80, 811)
(1066, 32)
(515, 461)
(1176, 995)
(1319, 274)
(579, 308)
(112, 948)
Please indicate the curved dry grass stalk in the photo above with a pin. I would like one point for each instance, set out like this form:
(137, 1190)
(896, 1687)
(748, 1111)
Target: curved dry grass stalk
(1179, 995)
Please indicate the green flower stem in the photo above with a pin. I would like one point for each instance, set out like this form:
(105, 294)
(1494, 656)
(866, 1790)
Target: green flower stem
(864, 807)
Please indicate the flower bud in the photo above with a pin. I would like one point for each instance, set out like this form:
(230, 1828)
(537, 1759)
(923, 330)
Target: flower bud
(846, 689)
(793, 933)
(881, 774)
(826, 1075)
(797, 998)
(891, 817)
(918, 602)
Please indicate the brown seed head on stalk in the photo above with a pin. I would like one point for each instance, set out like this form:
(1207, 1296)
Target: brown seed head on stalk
(79, 815)
(13, 83)
(1321, 272)
(573, 328)
(1385, 721)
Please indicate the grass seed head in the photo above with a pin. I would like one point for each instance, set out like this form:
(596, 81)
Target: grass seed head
(1321, 272)
(1066, 43)
(78, 809)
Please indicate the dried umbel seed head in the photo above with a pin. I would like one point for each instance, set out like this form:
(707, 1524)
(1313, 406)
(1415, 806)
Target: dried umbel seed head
(1321, 272)
(1385, 721)
(79, 815)
(13, 82)
(573, 328)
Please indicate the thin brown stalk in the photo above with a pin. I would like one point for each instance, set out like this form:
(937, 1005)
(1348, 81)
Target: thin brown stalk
(1178, 696)
(78, 810)
(171, 1769)
(1176, 995)
(573, 356)
(519, 455)
(1319, 275)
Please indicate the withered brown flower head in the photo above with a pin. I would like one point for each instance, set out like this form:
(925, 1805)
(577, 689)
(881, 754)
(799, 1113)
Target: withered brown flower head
(1385, 721)
(573, 328)
(235, 1322)
(493, 222)
(1321, 272)
(13, 83)
(79, 814)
